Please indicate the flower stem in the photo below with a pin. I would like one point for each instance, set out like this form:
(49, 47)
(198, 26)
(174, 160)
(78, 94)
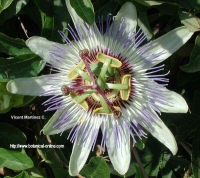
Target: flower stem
(139, 162)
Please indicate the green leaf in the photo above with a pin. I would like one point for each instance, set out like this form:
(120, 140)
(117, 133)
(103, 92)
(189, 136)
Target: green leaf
(13, 9)
(185, 126)
(167, 172)
(29, 64)
(51, 159)
(4, 4)
(190, 21)
(20, 4)
(13, 46)
(114, 172)
(140, 144)
(164, 161)
(133, 169)
(8, 100)
(54, 17)
(196, 153)
(121, 2)
(181, 125)
(177, 164)
(14, 160)
(34, 173)
(96, 167)
(48, 30)
(194, 63)
(188, 4)
(143, 21)
(150, 156)
(103, 8)
(27, 99)
(34, 18)
(23, 174)
(168, 9)
(84, 9)
(11, 135)
(138, 173)
(169, 164)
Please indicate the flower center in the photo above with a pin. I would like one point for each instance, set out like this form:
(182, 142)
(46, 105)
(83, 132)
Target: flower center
(99, 83)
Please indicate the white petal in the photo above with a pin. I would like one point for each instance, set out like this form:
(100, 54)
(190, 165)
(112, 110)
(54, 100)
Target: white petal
(160, 131)
(85, 139)
(129, 13)
(167, 44)
(49, 128)
(63, 119)
(118, 154)
(29, 86)
(41, 46)
(79, 155)
(177, 104)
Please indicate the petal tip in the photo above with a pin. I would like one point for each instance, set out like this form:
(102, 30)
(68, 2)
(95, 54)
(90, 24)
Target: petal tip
(174, 150)
(129, 13)
(180, 104)
(11, 87)
(31, 40)
(72, 172)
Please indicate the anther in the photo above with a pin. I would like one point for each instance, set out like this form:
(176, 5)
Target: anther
(65, 90)
(117, 114)
(83, 53)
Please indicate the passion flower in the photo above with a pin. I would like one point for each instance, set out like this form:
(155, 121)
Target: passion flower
(106, 79)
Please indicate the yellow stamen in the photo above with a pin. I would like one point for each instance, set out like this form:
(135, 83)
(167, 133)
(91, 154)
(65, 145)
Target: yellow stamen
(101, 110)
(114, 61)
(82, 104)
(72, 74)
(124, 94)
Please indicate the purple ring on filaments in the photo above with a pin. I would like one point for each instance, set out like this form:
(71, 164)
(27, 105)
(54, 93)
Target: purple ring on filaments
(103, 81)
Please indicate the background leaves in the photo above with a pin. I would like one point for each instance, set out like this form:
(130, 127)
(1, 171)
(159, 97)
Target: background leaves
(21, 19)
(194, 63)
(84, 9)
(14, 160)
(96, 167)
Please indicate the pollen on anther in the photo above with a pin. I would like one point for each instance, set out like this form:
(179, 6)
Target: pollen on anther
(83, 53)
(65, 90)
